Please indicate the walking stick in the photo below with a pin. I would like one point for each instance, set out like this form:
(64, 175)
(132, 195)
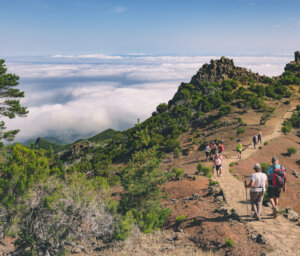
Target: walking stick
(246, 197)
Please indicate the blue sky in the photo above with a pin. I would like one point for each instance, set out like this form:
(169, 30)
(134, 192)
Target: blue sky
(196, 27)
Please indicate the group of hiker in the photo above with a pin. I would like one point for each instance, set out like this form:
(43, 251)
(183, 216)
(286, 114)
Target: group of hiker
(257, 138)
(274, 179)
(214, 152)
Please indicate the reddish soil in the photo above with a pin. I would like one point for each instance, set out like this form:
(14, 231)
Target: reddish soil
(203, 225)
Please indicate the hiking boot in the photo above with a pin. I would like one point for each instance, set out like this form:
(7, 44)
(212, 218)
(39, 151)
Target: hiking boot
(275, 212)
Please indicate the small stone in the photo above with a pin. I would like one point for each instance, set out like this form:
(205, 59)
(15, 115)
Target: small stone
(288, 208)
(292, 215)
(219, 199)
(196, 196)
(178, 237)
(76, 250)
(174, 200)
(260, 239)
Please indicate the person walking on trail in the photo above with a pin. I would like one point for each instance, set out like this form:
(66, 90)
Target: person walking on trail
(239, 148)
(277, 181)
(207, 152)
(218, 164)
(220, 148)
(213, 149)
(257, 185)
(254, 139)
(259, 137)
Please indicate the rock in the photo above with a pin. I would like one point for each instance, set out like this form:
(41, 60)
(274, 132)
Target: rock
(174, 200)
(76, 250)
(196, 196)
(288, 209)
(219, 199)
(291, 215)
(178, 236)
(234, 215)
(215, 189)
(260, 239)
(295, 173)
(299, 223)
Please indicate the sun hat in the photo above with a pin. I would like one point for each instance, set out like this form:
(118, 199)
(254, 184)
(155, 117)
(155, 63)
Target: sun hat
(257, 167)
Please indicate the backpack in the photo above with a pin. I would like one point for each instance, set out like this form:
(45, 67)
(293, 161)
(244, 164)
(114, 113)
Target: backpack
(279, 177)
(221, 148)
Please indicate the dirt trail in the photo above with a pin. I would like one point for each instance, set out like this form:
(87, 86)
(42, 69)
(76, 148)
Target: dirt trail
(280, 234)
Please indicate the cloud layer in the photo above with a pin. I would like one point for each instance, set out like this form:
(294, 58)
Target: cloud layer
(79, 96)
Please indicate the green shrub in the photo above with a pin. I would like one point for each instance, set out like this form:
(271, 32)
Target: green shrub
(291, 151)
(123, 226)
(232, 164)
(207, 171)
(229, 242)
(287, 102)
(177, 152)
(286, 129)
(217, 123)
(260, 147)
(266, 143)
(264, 167)
(231, 138)
(180, 218)
(240, 130)
(178, 173)
(213, 182)
(224, 110)
(230, 170)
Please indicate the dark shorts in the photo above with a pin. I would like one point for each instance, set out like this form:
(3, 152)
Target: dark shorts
(207, 154)
(218, 167)
(274, 192)
(239, 151)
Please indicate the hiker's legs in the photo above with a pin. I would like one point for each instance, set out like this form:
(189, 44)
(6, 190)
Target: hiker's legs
(276, 201)
(253, 199)
(260, 199)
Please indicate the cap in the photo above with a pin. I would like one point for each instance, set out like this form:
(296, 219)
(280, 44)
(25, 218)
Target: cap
(257, 167)
(274, 159)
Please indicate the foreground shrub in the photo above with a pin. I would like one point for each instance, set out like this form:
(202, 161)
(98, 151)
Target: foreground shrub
(264, 167)
(240, 130)
(207, 171)
(291, 151)
(58, 211)
(141, 180)
(180, 218)
(229, 242)
(177, 173)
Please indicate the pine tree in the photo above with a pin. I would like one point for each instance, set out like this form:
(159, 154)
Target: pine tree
(9, 101)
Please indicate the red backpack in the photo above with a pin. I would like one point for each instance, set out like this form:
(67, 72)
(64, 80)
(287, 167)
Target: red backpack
(279, 177)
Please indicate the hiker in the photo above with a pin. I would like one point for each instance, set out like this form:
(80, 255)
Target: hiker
(220, 148)
(254, 139)
(218, 164)
(277, 181)
(258, 181)
(259, 137)
(213, 149)
(239, 148)
(207, 152)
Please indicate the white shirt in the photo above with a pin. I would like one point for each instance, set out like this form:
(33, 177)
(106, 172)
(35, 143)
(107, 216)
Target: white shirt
(260, 179)
(207, 148)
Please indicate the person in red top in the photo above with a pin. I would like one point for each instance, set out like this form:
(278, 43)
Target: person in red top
(220, 148)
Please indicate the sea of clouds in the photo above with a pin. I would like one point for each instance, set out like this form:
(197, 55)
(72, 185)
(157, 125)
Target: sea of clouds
(77, 96)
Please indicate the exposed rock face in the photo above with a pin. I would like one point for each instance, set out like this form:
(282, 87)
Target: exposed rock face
(220, 70)
(297, 56)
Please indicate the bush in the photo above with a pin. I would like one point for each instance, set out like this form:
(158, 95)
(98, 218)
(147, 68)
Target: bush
(58, 211)
(264, 167)
(231, 138)
(286, 129)
(266, 143)
(180, 218)
(142, 180)
(123, 226)
(224, 110)
(240, 130)
(231, 164)
(291, 151)
(229, 242)
(230, 170)
(213, 182)
(207, 171)
(177, 152)
(217, 123)
(260, 147)
(178, 173)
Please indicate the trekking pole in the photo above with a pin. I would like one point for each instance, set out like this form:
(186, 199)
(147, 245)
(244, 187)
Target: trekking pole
(246, 196)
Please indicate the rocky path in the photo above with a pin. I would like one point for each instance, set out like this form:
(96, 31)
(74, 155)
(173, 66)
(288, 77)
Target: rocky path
(282, 236)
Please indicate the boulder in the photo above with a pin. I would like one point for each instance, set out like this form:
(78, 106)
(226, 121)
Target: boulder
(291, 215)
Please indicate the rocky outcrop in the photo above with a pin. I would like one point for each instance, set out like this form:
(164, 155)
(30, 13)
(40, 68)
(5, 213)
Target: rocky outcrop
(222, 69)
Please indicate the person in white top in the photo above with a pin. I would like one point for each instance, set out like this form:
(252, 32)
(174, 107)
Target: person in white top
(257, 185)
(218, 164)
(207, 151)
